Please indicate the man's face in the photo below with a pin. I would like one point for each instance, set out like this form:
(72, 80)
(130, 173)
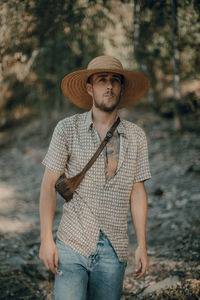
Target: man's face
(105, 89)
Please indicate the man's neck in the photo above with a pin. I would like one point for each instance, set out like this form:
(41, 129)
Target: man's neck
(102, 118)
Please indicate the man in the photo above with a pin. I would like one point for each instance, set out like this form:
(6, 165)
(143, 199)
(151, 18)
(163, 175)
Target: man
(89, 257)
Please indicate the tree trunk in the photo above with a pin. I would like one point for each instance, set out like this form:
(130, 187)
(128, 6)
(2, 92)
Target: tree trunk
(136, 35)
(176, 77)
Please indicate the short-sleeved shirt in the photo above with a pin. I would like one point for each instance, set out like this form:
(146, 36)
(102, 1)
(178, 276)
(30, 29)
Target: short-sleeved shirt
(99, 203)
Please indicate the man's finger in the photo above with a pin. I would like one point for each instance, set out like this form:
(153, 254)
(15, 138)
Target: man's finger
(56, 258)
(52, 268)
(141, 273)
(137, 267)
(46, 264)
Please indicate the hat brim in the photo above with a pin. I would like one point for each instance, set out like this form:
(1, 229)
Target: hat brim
(73, 86)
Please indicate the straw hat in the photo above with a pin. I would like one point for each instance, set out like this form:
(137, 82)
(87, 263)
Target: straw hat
(74, 84)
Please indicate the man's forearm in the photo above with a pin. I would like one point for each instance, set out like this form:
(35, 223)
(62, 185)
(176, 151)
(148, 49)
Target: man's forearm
(138, 205)
(47, 210)
(48, 252)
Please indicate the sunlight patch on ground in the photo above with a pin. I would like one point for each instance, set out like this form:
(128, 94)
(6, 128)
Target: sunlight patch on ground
(10, 225)
(7, 194)
(12, 218)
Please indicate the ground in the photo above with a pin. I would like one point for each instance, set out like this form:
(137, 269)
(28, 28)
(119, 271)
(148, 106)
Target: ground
(173, 216)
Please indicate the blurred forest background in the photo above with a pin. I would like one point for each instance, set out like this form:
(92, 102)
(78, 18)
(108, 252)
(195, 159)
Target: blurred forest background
(43, 40)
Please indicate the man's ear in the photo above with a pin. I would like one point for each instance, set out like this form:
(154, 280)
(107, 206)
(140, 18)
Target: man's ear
(89, 89)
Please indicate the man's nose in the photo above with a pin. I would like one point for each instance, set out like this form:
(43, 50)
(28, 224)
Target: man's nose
(109, 84)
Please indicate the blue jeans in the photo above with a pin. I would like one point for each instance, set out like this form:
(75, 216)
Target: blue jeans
(98, 277)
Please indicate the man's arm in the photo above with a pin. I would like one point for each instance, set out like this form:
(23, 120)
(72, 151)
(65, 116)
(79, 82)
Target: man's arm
(138, 206)
(48, 252)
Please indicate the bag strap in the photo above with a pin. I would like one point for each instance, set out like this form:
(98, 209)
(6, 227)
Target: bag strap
(108, 136)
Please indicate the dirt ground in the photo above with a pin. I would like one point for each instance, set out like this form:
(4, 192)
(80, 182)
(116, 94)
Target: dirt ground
(173, 216)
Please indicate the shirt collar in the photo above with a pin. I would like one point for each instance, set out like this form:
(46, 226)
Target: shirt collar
(121, 128)
(89, 123)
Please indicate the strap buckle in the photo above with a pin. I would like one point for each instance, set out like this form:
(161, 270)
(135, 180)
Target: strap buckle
(109, 134)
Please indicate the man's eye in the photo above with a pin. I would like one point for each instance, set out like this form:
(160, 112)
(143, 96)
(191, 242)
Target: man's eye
(116, 80)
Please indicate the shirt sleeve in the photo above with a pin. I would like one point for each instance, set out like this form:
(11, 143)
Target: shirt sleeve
(57, 154)
(142, 169)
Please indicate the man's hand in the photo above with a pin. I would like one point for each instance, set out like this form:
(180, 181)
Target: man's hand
(49, 255)
(141, 262)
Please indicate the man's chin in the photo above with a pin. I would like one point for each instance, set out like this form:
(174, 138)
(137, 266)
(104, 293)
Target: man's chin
(109, 109)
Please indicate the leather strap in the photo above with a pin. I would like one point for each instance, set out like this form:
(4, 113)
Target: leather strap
(108, 136)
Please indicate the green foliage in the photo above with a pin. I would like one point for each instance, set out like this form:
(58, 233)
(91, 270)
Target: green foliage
(155, 45)
(41, 42)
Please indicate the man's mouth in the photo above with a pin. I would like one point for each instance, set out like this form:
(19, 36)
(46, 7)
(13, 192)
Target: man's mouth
(109, 95)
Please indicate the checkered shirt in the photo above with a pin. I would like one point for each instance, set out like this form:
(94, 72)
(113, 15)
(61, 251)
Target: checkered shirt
(98, 204)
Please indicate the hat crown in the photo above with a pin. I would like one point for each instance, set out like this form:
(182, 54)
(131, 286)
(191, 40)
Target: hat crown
(105, 62)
